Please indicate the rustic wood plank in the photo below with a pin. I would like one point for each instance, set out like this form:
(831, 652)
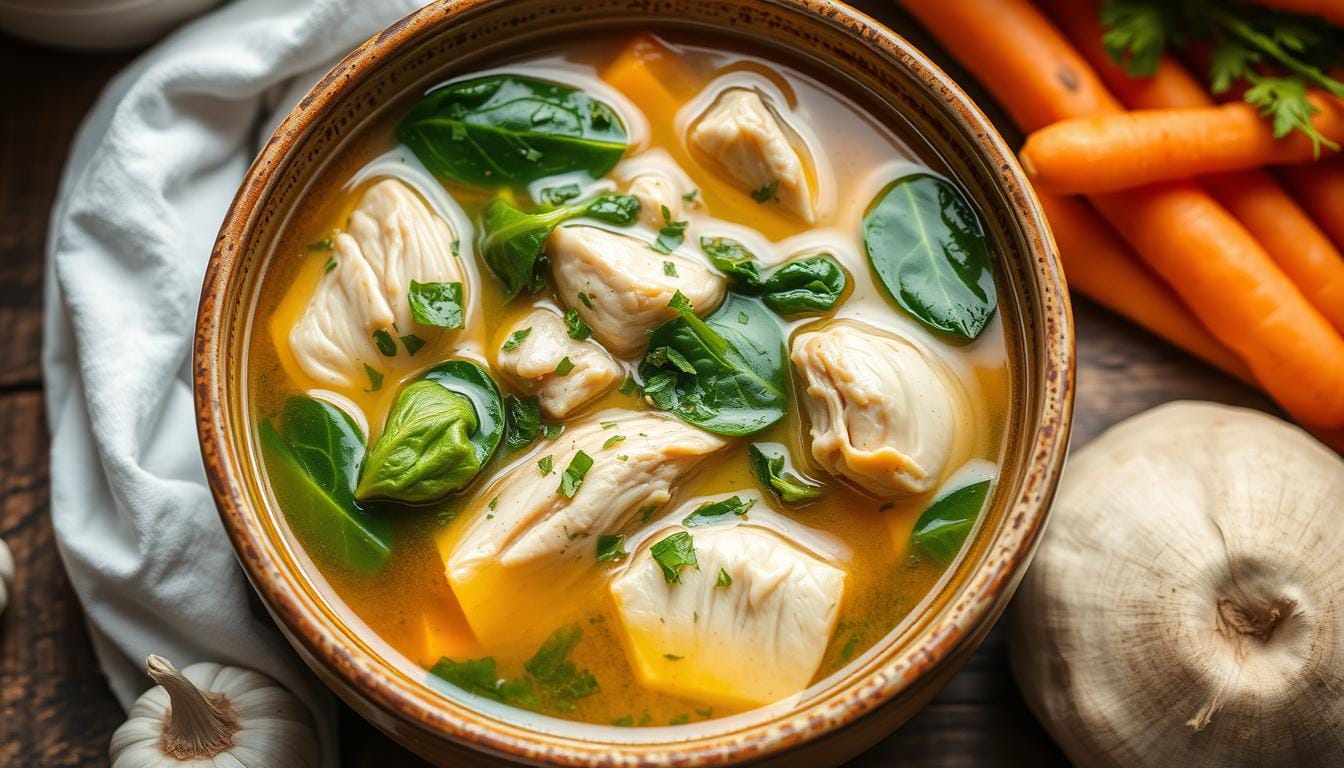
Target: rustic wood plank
(55, 709)
(45, 94)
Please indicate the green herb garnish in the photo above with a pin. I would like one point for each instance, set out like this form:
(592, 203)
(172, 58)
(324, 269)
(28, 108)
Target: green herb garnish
(412, 343)
(563, 367)
(711, 513)
(437, 304)
(577, 329)
(610, 546)
(673, 553)
(573, 475)
(385, 343)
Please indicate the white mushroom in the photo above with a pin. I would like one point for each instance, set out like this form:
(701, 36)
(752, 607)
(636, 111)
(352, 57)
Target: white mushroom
(655, 192)
(213, 716)
(745, 136)
(885, 412)
(524, 538)
(748, 626)
(1184, 607)
(535, 363)
(627, 284)
(391, 238)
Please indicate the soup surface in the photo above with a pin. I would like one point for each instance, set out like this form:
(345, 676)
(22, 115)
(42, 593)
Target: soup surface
(638, 383)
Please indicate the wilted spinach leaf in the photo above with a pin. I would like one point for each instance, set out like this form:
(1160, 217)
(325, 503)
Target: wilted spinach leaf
(943, 527)
(472, 382)
(524, 421)
(437, 304)
(558, 682)
(930, 252)
(511, 240)
(508, 130)
(808, 284)
(727, 376)
(714, 512)
(771, 467)
(425, 450)
(312, 459)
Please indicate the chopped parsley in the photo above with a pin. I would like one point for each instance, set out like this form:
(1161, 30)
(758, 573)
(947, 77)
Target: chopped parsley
(320, 245)
(673, 553)
(669, 238)
(493, 503)
(412, 343)
(330, 265)
(850, 646)
(628, 387)
(673, 657)
(386, 344)
(624, 722)
(720, 511)
(609, 424)
(456, 247)
(681, 719)
(724, 579)
(573, 475)
(614, 439)
(670, 269)
(516, 338)
(690, 196)
(578, 330)
(611, 546)
(375, 378)
(646, 512)
(546, 465)
(437, 304)
(552, 431)
(563, 367)
(766, 192)
(586, 300)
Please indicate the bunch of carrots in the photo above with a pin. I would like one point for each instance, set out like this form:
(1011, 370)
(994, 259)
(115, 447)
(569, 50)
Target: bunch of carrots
(1160, 200)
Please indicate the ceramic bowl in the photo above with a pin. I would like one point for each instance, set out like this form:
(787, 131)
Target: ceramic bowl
(839, 716)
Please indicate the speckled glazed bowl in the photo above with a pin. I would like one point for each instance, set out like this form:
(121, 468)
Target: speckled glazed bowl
(840, 715)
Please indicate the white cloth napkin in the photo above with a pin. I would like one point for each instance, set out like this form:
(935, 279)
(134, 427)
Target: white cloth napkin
(150, 175)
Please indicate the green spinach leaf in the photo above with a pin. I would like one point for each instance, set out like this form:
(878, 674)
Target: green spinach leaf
(773, 469)
(808, 284)
(727, 376)
(472, 382)
(524, 421)
(943, 527)
(930, 252)
(512, 241)
(425, 451)
(508, 130)
(480, 677)
(715, 512)
(312, 460)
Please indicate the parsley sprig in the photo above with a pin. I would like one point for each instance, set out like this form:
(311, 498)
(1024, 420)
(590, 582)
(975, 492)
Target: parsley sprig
(1278, 55)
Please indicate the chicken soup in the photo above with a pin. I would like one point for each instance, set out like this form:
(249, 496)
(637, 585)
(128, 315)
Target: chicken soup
(640, 384)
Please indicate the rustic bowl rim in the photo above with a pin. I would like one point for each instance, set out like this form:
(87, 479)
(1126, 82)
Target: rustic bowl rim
(976, 603)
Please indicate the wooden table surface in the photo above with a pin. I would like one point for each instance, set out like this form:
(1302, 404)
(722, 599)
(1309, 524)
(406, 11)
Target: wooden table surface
(56, 710)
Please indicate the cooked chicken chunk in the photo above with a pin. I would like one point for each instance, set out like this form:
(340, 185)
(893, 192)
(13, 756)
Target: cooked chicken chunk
(391, 238)
(747, 139)
(525, 538)
(885, 412)
(535, 364)
(627, 284)
(747, 627)
(655, 192)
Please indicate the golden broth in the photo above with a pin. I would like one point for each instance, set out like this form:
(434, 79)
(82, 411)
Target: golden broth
(409, 604)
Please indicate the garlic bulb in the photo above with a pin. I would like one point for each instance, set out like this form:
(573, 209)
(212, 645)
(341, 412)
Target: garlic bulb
(211, 716)
(1185, 608)
(6, 574)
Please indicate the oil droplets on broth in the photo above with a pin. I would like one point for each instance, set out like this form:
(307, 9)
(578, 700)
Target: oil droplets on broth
(587, 376)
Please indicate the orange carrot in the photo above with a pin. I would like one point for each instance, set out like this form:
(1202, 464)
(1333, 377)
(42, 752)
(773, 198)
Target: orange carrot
(1244, 300)
(1297, 245)
(1019, 56)
(1330, 10)
(1293, 240)
(1204, 254)
(1099, 265)
(1320, 189)
(1169, 86)
(1107, 153)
